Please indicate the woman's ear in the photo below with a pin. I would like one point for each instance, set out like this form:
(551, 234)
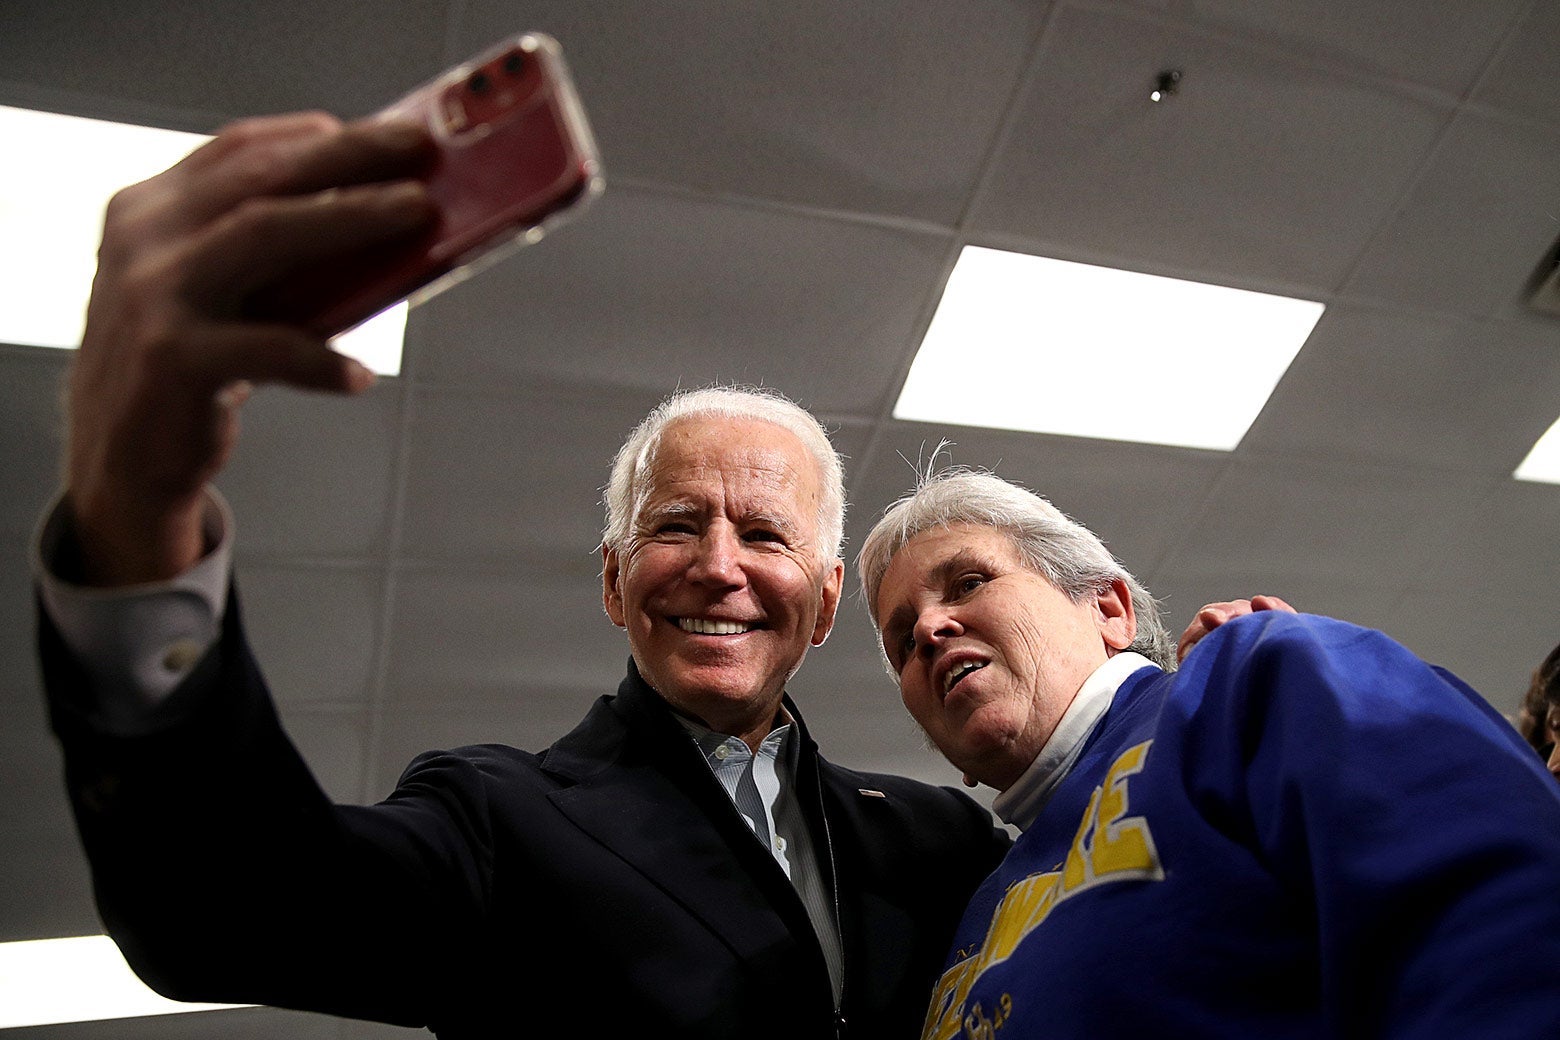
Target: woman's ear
(1114, 615)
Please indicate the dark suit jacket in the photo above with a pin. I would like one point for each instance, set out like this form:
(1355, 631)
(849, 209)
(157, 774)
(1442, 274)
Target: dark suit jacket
(603, 887)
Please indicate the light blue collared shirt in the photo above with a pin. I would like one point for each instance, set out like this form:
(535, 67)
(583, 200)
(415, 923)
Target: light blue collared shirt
(774, 771)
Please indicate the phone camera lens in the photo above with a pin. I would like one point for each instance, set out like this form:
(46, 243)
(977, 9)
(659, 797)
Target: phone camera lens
(479, 83)
(514, 62)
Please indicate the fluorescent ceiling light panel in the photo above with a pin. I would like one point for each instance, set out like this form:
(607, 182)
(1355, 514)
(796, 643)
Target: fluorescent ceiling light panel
(1543, 462)
(81, 979)
(1028, 343)
(53, 188)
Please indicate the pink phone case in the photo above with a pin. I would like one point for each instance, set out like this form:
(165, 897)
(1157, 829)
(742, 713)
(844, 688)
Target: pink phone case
(515, 157)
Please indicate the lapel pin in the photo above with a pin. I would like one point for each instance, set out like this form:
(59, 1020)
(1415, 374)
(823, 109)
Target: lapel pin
(870, 793)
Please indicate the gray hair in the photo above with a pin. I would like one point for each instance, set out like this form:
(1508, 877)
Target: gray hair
(1063, 551)
(629, 484)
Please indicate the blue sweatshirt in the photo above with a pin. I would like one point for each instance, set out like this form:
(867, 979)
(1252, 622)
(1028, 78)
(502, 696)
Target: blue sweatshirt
(1305, 832)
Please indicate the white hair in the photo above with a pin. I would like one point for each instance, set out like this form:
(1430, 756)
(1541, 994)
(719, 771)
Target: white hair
(1063, 551)
(629, 484)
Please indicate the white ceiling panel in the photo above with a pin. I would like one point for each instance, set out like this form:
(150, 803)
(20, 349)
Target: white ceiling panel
(1326, 520)
(215, 62)
(314, 628)
(1523, 79)
(1185, 591)
(1483, 214)
(522, 721)
(1477, 634)
(354, 1030)
(1509, 546)
(516, 488)
(238, 1024)
(458, 638)
(318, 468)
(43, 875)
(1138, 498)
(1256, 172)
(877, 106)
(1439, 43)
(652, 292)
(334, 741)
(1415, 390)
(31, 434)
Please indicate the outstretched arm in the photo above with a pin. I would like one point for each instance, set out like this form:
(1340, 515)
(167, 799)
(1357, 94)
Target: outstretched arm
(172, 342)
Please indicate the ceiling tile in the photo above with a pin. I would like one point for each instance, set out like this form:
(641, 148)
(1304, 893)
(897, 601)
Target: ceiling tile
(31, 433)
(1439, 43)
(1488, 638)
(1509, 546)
(1526, 78)
(1325, 520)
(525, 721)
(43, 872)
(354, 1030)
(654, 292)
(1259, 170)
(478, 638)
(220, 61)
(313, 628)
(21, 689)
(494, 476)
(1183, 592)
(333, 742)
(314, 472)
(1415, 389)
(1476, 226)
(263, 1023)
(44, 889)
(878, 106)
(1138, 498)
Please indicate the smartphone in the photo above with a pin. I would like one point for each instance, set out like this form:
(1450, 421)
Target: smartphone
(514, 157)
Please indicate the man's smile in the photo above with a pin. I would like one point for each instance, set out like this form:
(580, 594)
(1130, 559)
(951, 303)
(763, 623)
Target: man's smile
(714, 626)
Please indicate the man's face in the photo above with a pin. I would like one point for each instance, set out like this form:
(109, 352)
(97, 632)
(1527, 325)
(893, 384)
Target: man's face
(989, 653)
(723, 585)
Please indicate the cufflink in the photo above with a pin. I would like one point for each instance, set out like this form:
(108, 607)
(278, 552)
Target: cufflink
(181, 656)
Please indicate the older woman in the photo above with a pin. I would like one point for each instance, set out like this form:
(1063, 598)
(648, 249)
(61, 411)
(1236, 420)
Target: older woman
(1306, 831)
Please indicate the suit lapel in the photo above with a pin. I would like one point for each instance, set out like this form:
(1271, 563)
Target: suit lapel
(639, 786)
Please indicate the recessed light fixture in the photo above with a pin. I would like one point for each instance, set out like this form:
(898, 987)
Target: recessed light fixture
(79, 979)
(53, 188)
(1542, 464)
(1025, 342)
(1167, 83)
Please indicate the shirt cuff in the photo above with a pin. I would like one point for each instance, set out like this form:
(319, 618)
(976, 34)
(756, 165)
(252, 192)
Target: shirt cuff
(136, 643)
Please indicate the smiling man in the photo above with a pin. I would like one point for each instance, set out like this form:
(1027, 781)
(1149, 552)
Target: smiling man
(1305, 832)
(728, 568)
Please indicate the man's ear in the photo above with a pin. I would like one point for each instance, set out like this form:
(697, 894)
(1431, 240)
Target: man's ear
(1115, 617)
(829, 602)
(611, 590)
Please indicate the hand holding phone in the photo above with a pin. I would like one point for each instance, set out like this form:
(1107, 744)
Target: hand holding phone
(231, 268)
(513, 157)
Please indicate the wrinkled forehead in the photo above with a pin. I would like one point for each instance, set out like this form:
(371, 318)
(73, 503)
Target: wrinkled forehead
(742, 462)
(936, 555)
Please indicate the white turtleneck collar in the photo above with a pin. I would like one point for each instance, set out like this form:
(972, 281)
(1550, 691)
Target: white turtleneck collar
(1021, 803)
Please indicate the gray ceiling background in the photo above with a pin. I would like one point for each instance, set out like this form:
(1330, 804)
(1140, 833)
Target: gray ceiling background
(789, 184)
